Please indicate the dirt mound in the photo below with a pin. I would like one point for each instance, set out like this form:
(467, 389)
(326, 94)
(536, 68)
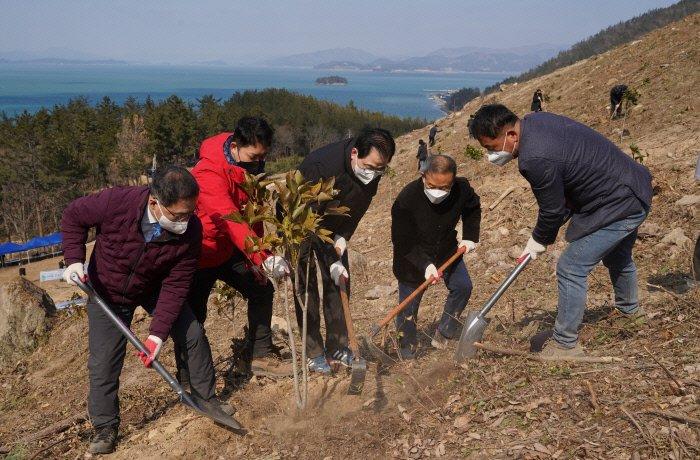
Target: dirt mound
(643, 406)
(25, 312)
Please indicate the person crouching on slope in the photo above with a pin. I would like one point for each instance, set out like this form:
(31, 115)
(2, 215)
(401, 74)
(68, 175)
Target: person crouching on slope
(146, 252)
(573, 170)
(224, 160)
(423, 221)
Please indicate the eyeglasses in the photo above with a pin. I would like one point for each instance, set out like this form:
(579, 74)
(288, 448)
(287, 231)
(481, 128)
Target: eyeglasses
(179, 216)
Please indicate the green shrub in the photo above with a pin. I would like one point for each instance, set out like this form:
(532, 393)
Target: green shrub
(474, 153)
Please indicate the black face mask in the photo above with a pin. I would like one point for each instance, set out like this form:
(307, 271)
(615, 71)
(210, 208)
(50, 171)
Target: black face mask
(252, 167)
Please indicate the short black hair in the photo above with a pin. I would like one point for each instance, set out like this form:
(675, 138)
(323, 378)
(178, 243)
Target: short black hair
(172, 184)
(421, 141)
(490, 119)
(441, 164)
(252, 131)
(379, 138)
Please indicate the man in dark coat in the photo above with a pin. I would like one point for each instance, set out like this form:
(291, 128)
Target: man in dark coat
(617, 93)
(422, 154)
(357, 165)
(431, 135)
(537, 100)
(573, 170)
(423, 221)
(146, 251)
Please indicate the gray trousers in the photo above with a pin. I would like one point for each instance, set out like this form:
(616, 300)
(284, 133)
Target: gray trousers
(107, 348)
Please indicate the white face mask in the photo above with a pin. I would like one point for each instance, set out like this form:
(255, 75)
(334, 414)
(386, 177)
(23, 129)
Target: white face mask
(501, 157)
(435, 195)
(365, 175)
(177, 228)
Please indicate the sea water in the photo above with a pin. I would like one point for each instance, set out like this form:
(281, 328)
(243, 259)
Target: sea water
(33, 86)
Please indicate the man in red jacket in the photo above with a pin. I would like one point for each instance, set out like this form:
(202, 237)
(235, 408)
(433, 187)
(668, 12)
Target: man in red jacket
(146, 252)
(223, 161)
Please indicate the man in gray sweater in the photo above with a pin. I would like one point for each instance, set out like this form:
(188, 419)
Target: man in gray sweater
(573, 170)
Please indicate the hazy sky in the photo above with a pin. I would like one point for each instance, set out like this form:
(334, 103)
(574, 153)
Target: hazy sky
(187, 31)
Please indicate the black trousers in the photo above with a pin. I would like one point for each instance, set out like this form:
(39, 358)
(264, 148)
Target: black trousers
(107, 348)
(336, 332)
(260, 299)
(696, 260)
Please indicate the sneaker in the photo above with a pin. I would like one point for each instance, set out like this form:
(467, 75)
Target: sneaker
(270, 366)
(320, 365)
(343, 356)
(104, 440)
(439, 341)
(553, 351)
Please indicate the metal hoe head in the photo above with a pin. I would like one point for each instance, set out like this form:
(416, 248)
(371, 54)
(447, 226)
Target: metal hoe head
(473, 332)
(358, 372)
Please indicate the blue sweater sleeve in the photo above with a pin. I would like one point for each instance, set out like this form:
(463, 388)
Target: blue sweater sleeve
(547, 182)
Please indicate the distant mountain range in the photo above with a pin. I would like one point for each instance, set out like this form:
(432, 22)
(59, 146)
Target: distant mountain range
(464, 59)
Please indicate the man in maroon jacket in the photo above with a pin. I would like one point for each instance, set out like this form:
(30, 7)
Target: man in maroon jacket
(146, 251)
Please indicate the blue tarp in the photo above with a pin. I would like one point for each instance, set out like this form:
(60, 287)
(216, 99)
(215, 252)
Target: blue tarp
(34, 243)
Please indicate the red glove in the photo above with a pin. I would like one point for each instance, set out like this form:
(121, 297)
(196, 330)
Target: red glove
(153, 344)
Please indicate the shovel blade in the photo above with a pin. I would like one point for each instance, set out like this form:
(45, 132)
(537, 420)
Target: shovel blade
(358, 373)
(473, 332)
(212, 411)
(376, 353)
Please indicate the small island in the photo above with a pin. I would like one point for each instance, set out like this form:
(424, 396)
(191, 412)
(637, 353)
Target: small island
(332, 80)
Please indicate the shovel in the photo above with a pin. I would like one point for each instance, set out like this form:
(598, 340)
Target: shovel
(358, 366)
(195, 402)
(375, 328)
(475, 324)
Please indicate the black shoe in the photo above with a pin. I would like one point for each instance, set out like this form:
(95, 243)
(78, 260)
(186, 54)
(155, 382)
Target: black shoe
(104, 440)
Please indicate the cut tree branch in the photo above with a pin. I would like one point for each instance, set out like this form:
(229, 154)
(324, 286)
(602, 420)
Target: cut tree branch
(535, 357)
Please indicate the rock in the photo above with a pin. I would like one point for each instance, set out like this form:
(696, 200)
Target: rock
(358, 262)
(688, 200)
(676, 237)
(25, 312)
(496, 255)
(525, 232)
(382, 292)
(515, 251)
(648, 230)
(461, 423)
(280, 325)
(503, 231)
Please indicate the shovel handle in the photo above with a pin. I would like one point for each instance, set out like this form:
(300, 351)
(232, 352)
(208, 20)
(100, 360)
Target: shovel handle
(522, 263)
(345, 300)
(396, 310)
(124, 329)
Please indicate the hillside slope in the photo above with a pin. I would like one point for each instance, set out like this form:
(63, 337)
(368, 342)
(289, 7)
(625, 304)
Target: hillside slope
(493, 407)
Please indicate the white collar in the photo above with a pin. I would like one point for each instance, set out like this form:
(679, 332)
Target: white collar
(149, 215)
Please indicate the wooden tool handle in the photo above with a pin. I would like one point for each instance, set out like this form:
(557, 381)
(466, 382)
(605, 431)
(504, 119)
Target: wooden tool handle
(396, 310)
(345, 300)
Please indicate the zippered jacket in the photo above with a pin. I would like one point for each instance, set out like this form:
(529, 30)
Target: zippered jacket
(124, 269)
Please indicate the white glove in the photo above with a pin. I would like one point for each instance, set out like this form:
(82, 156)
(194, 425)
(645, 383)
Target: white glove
(337, 270)
(340, 244)
(276, 267)
(432, 272)
(469, 244)
(533, 248)
(153, 344)
(76, 268)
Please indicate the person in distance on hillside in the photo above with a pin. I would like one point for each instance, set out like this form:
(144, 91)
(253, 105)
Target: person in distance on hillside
(224, 160)
(423, 220)
(573, 170)
(617, 93)
(537, 101)
(422, 154)
(431, 135)
(146, 251)
(357, 164)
